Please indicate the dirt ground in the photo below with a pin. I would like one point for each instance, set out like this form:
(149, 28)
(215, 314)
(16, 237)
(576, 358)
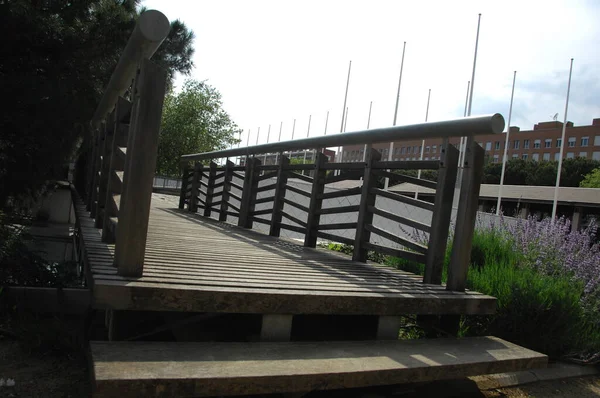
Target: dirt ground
(46, 374)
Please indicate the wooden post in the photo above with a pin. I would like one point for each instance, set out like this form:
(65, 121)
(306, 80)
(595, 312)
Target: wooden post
(92, 167)
(466, 216)
(184, 184)
(96, 172)
(134, 210)
(316, 202)
(249, 192)
(107, 152)
(365, 217)
(282, 178)
(117, 163)
(440, 223)
(227, 176)
(195, 191)
(210, 189)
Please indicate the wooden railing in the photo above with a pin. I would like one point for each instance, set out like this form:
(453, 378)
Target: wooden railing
(231, 191)
(124, 145)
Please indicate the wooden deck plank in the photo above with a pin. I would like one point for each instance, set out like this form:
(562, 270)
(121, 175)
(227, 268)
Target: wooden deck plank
(217, 369)
(198, 264)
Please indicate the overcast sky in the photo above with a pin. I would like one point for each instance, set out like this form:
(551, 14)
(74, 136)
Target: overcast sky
(278, 61)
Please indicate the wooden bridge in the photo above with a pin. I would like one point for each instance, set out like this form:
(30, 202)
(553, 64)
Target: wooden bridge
(197, 303)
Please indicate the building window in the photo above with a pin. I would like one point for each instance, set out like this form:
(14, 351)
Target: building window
(426, 158)
(536, 144)
(434, 149)
(546, 156)
(585, 141)
(525, 144)
(548, 143)
(427, 149)
(572, 142)
(535, 156)
(596, 155)
(558, 142)
(515, 156)
(583, 155)
(497, 145)
(557, 156)
(597, 140)
(416, 149)
(570, 155)
(414, 158)
(403, 151)
(385, 152)
(495, 158)
(524, 157)
(516, 145)
(488, 146)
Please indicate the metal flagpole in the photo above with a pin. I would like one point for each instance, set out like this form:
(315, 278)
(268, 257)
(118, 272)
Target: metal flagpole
(423, 143)
(506, 143)
(293, 131)
(268, 135)
(248, 138)
(387, 180)
(469, 140)
(307, 134)
(257, 135)
(562, 146)
(461, 144)
(344, 110)
(278, 139)
(368, 124)
(326, 121)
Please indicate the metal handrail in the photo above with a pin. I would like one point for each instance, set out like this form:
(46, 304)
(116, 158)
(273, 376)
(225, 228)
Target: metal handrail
(151, 29)
(469, 126)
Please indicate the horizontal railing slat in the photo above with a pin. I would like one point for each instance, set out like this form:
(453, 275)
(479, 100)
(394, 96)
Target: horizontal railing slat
(344, 166)
(295, 204)
(402, 220)
(301, 177)
(262, 212)
(354, 175)
(262, 200)
(260, 220)
(297, 190)
(335, 238)
(341, 193)
(266, 176)
(294, 228)
(412, 180)
(404, 199)
(407, 165)
(294, 219)
(266, 188)
(307, 166)
(236, 197)
(397, 239)
(340, 209)
(411, 256)
(342, 225)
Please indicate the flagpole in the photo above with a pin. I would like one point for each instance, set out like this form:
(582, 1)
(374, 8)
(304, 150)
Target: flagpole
(344, 110)
(387, 180)
(423, 143)
(460, 147)
(506, 143)
(368, 125)
(293, 130)
(562, 146)
(469, 140)
(268, 135)
(326, 121)
(278, 139)
(307, 134)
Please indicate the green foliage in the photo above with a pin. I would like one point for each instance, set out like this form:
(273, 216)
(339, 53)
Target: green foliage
(349, 249)
(53, 69)
(193, 121)
(591, 180)
(539, 311)
(543, 173)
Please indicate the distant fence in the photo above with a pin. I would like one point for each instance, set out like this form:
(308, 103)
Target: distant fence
(166, 182)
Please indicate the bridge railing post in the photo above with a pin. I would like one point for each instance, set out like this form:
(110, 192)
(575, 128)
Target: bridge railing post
(195, 188)
(249, 192)
(282, 178)
(316, 202)
(134, 209)
(210, 189)
(103, 172)
(365, 216)
(185, 175)
(227, 176)
(440, 222)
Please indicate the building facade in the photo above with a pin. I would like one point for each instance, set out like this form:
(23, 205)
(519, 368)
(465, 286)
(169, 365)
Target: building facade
(541, 143)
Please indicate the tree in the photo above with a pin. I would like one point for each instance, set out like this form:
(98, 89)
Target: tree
(53, 71)
(193, 121)
(591, 180)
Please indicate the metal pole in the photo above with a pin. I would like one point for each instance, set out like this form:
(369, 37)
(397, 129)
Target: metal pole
(423, 143)
(257, 135)
(293, 131)
(368, 125)
(506, 143)
(461, 144)
(469, 140)
(562, 146)
(307, 134)
(248, 139)
(326, 121)
(278, 139)
(346, 96)
(268, 135)
(387, 180)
